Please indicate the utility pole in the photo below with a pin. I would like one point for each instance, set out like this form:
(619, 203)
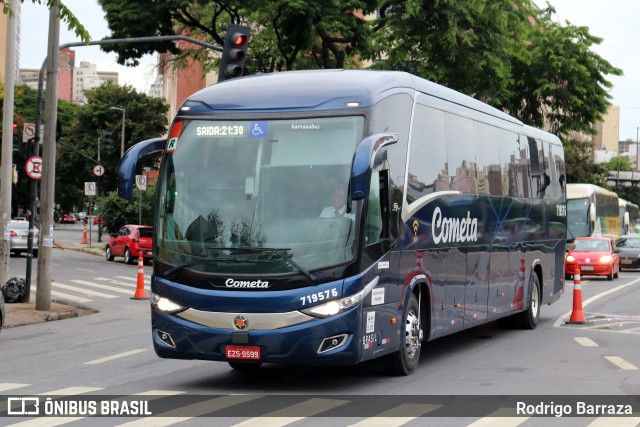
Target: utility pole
(47, 190)
(7, 143)
(122, 134)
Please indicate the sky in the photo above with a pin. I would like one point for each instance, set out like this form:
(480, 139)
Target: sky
(615, 21)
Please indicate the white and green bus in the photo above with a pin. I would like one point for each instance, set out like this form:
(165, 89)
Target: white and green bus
(592, 211)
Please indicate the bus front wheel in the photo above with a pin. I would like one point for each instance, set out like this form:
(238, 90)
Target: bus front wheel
(405, 360)
(530, 317)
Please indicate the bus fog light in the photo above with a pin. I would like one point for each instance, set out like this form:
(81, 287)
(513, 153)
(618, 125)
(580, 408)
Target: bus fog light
(165, 338)
(332, 343)
(165, 304)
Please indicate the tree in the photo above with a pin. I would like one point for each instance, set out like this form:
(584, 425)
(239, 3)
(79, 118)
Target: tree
(64, 13)
(146, 117)
(286, 34)
(580, 165)
(24, 112)
(619, 163)
(118, 212)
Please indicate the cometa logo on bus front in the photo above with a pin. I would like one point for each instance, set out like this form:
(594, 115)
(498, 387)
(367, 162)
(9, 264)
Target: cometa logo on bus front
(454, 230)
(231, 283)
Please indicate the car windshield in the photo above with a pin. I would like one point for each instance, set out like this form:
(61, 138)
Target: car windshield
(258, 184)
(591, 246)
(629, 242)
(19, 225)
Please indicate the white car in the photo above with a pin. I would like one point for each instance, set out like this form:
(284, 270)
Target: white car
(19, 237)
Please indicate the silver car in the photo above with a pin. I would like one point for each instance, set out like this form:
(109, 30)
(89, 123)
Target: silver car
(19, 235)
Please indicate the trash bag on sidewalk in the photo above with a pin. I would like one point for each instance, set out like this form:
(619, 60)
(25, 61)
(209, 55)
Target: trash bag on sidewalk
(15, 290)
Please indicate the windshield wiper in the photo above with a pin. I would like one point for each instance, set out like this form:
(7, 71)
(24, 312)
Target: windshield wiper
(276, 251)
(175, 270)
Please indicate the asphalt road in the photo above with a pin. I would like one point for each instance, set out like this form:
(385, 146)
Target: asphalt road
(110, 354)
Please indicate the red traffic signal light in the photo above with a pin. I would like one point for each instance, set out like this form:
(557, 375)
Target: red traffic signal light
(234, 52)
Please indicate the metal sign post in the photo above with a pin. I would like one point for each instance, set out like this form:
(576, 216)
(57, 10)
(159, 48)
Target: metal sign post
(141, 183)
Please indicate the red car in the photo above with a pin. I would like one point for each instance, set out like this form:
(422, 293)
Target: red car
(129, 241)
(67, 218)
(594, 256)
(95, 220)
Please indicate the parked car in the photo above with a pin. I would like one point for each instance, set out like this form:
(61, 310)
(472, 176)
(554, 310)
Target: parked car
(629, 247)
(594, 256)
(129, 241)
(95, 220)
(19, 237)
(67, 218)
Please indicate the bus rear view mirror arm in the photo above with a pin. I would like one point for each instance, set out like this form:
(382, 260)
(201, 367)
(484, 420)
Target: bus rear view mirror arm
(363, 161)
(128, 162)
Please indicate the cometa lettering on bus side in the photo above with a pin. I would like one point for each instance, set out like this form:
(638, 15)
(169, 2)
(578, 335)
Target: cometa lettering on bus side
(454, 230)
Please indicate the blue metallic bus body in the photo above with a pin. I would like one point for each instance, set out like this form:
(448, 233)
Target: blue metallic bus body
(461, 284)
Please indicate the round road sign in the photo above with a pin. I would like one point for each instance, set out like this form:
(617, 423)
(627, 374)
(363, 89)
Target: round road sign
(34, 167)
(98, 170)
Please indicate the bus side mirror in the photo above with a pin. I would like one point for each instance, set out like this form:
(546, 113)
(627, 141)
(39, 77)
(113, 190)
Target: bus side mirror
(592, 212)
(363, 161)
(128, 162)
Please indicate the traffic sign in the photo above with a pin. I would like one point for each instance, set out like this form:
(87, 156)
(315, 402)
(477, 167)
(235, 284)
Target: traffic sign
(34, 167)
(29, 131)
(141, 182)
(89, 188)
(98, 170)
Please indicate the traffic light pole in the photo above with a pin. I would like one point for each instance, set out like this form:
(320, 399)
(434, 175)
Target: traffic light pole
(43, 292)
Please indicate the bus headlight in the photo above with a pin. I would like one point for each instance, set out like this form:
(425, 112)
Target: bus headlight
(165, 305)
(606, 259)
(334, 307)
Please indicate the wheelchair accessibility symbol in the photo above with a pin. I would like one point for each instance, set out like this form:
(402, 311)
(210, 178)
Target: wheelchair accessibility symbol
(259, 129)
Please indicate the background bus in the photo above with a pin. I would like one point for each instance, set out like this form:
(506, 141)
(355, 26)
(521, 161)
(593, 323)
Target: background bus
(449, 214)
(592, 211)
(629, 215)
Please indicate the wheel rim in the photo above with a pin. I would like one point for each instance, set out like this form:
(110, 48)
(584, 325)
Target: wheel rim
(535, 300)
(412, 334)
(127, 255)
(108, 253)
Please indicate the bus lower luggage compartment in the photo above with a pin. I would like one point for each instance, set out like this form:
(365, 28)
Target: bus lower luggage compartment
(294, 344)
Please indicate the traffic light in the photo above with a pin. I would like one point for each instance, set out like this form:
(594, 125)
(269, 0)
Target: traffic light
(106, 138)
(16, 136)
(234, 53)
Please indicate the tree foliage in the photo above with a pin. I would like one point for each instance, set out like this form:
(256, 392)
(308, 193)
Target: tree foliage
(118, 212)
(64, 13)
(145, 118)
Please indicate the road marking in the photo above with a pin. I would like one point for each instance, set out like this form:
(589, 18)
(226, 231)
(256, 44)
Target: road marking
(63, 295)
(305, 409)
(585, 342)
(88, 271)
(175, 416)
(115, 356)
(615, 422)
(135, 279)
(115, 282)
(99, 286)
(621, 363)
(11, 386)
(83, 290)
(500, 418)
(397, 416)
(563, 318)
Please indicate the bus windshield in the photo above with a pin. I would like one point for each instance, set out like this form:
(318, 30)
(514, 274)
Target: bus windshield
(228, 188)
(577, 218)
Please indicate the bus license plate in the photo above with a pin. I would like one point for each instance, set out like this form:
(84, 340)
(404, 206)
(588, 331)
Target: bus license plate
(244, 352)
(586, 268)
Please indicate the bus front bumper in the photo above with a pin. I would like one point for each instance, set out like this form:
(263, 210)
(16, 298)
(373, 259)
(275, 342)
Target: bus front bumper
(314, 341)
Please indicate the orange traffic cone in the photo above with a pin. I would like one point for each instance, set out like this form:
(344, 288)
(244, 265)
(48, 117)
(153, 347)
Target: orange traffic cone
(140, 293)
(84, 235)
(577, 315)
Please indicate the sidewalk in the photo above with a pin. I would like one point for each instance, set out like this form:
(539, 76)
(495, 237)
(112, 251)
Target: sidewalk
(21, 314)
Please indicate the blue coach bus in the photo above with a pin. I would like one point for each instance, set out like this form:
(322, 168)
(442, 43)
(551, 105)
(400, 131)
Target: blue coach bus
(337, 216)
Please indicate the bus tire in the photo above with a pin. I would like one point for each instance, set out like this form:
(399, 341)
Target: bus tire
(245, 366)
(530, 317)
(404, 361)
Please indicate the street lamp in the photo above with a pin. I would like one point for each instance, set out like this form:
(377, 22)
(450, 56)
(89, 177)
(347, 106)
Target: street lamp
(122, 135)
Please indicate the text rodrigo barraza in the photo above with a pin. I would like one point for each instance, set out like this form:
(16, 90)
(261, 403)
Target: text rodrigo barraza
(578, 408)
